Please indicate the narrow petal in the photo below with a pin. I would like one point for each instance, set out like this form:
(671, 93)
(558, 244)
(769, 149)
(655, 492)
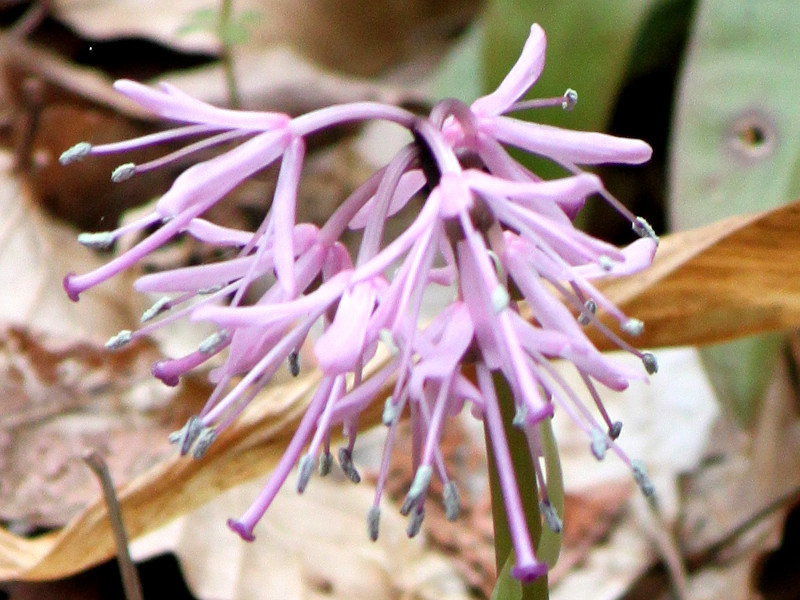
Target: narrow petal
(248, 316)
(545, 197)
(342, 345)
(566, 146)
(439, 360)
(410, 183)
(211, 233)
(205, 183)
(171, 103)
(636, 257)
(191, 279)
(283, 212)
(519, 79)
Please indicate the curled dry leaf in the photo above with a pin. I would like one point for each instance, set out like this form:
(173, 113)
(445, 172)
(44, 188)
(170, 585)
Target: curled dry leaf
(755, 467)
(63, 398)
(313, 545)
(168, 490)
(49, 105)
(36, 251)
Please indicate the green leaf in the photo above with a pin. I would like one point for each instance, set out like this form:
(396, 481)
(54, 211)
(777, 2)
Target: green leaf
(550, 542)
(528, 491)
(460, 74)
(507, 588)
(734, 150)
(589, 44)
(740, 372)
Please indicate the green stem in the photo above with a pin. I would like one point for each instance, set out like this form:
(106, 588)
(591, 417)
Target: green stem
(526, 480)
(225, 12)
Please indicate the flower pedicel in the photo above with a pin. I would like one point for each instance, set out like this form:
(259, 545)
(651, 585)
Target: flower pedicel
(488, 226)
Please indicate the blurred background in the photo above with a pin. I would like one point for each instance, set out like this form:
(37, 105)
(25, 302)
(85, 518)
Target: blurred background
(710, 84)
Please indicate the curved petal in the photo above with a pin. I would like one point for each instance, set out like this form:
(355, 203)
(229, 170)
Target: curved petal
(522, 76)
(171, 103)
(564, 145)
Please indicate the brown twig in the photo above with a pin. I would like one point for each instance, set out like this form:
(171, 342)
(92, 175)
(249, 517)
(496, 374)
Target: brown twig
(130, 576)
(32, 90)
(31, 20)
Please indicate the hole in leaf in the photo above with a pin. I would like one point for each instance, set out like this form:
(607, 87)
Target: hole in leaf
(753, 136)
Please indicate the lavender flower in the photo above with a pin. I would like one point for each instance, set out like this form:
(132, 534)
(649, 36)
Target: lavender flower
(488, 226)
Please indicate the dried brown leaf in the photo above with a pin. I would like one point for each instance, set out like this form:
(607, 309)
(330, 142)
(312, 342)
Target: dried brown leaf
(731, 279)
(315, 545)
(63, 398)
(249, 448)
(35, 253)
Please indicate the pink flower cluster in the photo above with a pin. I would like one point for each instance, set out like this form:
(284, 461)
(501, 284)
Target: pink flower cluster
(488, 227)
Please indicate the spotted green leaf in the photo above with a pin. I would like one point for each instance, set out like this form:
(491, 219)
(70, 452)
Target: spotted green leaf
(734, 148)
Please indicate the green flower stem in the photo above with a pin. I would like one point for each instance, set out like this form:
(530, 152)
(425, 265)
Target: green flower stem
(225, 13)
(526, 479)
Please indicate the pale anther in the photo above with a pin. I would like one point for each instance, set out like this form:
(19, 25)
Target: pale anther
(204, 441)
(422, 480)
(643, 229)
(304, 471)
(212, 289)
(520, 415)
(633, 327)
(190, 433)
(452, 501)
(100, 240)
(213, 342)
(373, 522)
(642, 479)
(599, 444)
(77, 152)
(160, 306)
(551, 518)
(500, 299)
(570, 99)
(325, 462)
(419, 486)
(588, 313)
(390, 412)
(346, 462)
(123, 172)
(119, 340)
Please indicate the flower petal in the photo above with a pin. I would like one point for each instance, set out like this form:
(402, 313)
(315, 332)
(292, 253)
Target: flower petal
(171, 103)
(522, 76)
(566, 146)
(341, 347)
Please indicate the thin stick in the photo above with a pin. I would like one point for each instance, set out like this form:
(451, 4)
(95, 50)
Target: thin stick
(226, 54)
(32, 90)
(29, 21)
(130, 576)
